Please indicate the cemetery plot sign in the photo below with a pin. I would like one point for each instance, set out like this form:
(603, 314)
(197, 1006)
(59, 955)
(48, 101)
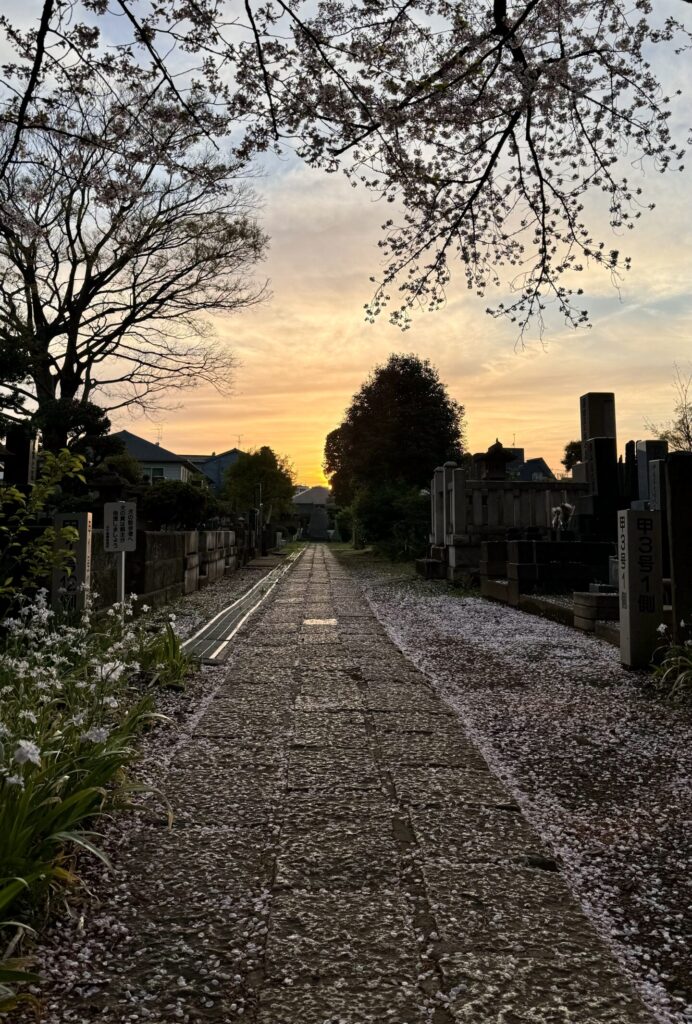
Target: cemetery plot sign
(641, 585)
(120, 526)
(72, 580)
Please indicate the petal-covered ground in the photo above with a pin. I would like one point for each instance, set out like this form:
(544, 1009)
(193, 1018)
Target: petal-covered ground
(341, 851)
(600, 769)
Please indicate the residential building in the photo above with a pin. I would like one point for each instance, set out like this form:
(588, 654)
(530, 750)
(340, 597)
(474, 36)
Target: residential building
(215, 466)
(158, 463)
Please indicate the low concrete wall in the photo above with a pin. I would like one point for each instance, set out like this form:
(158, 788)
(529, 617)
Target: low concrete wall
(166, 565)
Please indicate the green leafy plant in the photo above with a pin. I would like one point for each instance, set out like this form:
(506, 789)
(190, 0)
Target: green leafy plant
(672, 675)
(14, 972)
(166, 660)
(71, 706)
(28, 551)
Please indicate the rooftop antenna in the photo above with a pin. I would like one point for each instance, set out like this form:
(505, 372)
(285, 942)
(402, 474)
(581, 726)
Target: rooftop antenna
(159, 434)
(240, 438)
(514, 440)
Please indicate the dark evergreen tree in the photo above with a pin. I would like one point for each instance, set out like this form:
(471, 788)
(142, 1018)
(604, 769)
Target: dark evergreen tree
(399, 426)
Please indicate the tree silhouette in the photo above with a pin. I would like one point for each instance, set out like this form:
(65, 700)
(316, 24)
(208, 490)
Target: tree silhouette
(399, 426)
(112, 251)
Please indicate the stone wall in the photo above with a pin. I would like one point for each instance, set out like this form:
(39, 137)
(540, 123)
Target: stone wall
(166, 565)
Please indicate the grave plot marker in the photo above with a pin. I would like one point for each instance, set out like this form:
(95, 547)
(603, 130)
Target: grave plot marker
(679, 509)
(71, 583)
(640, 584)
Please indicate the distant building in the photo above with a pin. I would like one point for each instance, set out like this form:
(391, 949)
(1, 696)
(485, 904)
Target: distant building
(214, 466)
(525, 469)
(314, 507)
(158, 463)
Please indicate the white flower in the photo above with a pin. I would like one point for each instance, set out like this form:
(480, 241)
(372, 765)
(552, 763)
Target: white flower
(682, 623)
(110, 702)
(662, 628)
(171, 618)
(111, 612)
(27, 751)
(29, 715)
(95, 735)
(146, 608)
(4, 731)
(15, 780)
(112, 670)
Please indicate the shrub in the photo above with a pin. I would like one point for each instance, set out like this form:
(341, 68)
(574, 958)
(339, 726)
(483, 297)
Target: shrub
(28, 550)
(176, 505)
(394, 519)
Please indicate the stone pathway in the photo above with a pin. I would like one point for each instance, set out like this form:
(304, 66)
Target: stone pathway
(341, 854)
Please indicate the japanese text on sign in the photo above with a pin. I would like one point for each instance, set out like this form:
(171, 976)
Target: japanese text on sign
(120, 526)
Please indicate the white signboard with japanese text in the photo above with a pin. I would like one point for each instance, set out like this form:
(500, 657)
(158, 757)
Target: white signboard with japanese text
(641, 585)
(120, 526)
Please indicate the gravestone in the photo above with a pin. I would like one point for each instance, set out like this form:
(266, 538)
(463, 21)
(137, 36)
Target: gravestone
(437, 508)
(679, 502)
(647, 452)
(597, 409)
(631, 485)
(21, 450)
(640, 581)
(448, 504)
(596, 514)
(71, 583)
(658, 501)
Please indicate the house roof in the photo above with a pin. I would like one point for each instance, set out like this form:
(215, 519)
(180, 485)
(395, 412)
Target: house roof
(210, 458)
(146, 451)
(313, 496)
(535, 466)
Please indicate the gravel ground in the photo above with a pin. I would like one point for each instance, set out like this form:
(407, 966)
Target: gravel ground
(601, 770)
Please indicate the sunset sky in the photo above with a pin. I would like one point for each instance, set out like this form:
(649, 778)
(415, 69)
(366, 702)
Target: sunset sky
(307, 349)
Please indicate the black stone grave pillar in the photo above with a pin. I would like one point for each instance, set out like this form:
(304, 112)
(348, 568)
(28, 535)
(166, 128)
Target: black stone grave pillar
(679, 499)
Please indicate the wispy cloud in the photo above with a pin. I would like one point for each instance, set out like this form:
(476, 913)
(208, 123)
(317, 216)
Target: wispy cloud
(307, 350)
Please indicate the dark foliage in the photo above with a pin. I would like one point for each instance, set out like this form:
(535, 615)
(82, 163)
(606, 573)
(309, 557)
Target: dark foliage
(572, 455)
(399, 426)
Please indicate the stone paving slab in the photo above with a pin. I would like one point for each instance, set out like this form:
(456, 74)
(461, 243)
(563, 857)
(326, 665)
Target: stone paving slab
(353, 999)
(326, 935)
(568, 990)
(449, 749)
(332, 770)
(322, 729)
(428, 785)
(506, 908)
(462, 834)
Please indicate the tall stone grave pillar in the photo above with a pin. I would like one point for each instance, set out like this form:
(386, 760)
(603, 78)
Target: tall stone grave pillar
(437, 508)
(448, 508)
(631, 488)
(647, 451)
(640, 585)
(597, 410)
(71, 582)
(601, 504)
(658, 500)
(21, 448)
(459, 510)
(679, 501)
